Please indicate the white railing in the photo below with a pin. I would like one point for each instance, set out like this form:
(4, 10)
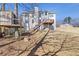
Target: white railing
(8, 21)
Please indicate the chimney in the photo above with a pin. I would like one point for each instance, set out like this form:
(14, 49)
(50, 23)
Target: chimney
(16, 9)
(3, 7)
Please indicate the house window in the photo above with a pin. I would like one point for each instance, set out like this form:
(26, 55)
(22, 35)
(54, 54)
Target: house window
(46, 13)
(51, 15)
(26, 21)
(32, 21)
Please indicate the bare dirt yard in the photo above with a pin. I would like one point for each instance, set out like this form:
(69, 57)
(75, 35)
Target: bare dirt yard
(62, 42)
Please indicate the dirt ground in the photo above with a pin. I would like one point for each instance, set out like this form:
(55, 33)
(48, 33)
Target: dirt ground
(62, 42)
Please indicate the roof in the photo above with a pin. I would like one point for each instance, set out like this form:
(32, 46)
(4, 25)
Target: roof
(7, 11)
(50, 12)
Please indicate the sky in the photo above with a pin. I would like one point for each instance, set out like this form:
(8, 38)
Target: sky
(62, 10)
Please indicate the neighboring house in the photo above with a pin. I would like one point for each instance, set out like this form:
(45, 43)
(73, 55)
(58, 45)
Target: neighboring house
(8, 21)
(34, 19)
(48, 16)
(25, 21)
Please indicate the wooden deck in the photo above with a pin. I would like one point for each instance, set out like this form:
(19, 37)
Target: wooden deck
(49, 21)
(11, 26)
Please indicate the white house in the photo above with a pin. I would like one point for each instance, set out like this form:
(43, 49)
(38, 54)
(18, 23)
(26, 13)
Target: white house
(25, 21)
(32, 19)
(47, 15)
